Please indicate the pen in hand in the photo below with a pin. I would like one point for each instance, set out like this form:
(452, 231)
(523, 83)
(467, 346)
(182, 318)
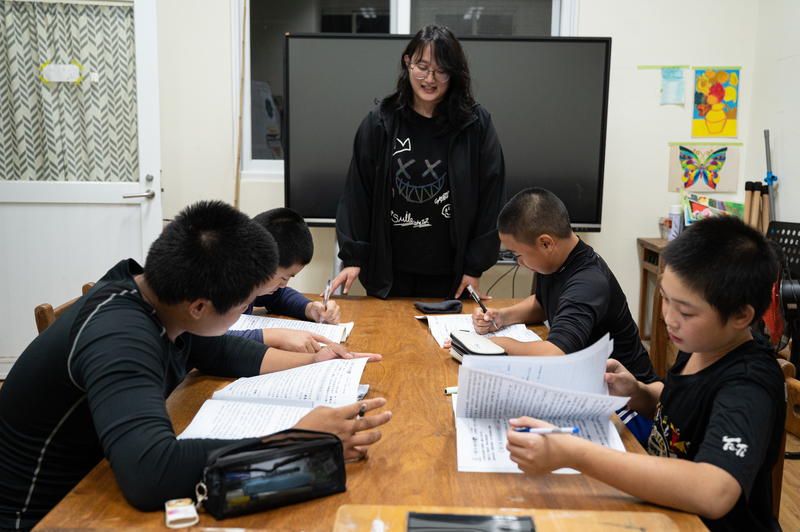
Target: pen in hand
(325, 299)
(477, 298)
(362, 410)
(549, 430)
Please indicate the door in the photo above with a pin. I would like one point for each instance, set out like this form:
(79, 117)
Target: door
(80, 177)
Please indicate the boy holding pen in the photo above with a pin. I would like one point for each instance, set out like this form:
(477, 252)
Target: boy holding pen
(576, 290)
(295, 250)
(722, 406)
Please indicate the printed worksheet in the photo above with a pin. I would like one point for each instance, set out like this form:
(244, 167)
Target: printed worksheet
(255, 406)
(330, 383)
(441, 326)
(564, 391)
(337, 333)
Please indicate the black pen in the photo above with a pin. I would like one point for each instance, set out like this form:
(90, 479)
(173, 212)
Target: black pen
(362, 410)
(477, 298)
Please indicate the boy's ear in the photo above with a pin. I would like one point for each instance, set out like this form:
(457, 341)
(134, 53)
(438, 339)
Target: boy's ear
(546, 242)
(198, 307)
(744, 317)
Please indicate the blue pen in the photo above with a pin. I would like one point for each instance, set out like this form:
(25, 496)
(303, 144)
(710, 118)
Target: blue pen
(549, 430)
(325, 299)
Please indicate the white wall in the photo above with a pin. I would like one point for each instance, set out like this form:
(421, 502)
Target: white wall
(196, 97)
(777, 75)
(639, 128)
(198, 116)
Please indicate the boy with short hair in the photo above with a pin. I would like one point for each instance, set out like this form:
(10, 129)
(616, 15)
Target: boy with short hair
(575, 289)
(295, 250)
(721, 407)
(95, 382)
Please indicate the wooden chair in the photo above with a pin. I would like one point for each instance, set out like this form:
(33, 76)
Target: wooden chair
(791, 425)
(45, 314)
(658, 334)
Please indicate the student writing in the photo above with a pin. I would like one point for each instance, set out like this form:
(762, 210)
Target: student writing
(575, 289)
(295, 250)
(94, 384)
(722, 406)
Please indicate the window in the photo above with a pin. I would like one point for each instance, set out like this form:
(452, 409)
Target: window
(268, 22)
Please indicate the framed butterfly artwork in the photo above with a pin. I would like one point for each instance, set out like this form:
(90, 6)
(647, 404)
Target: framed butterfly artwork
(696, 167)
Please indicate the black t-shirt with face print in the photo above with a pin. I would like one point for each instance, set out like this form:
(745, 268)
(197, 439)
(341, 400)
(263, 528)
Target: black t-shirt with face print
(420, 212)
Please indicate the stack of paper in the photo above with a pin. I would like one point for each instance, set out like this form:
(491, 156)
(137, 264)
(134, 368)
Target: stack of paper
(441, 326)
(337, 333)
(565, 391)
(256, 406)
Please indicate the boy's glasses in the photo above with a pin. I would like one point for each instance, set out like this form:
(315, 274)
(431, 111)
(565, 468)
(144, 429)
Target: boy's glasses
(420, 72)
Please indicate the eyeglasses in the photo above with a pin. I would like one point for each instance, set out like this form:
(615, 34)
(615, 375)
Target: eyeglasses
(420, 72)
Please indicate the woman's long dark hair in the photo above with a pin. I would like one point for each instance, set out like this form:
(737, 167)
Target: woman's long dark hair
(456, 107)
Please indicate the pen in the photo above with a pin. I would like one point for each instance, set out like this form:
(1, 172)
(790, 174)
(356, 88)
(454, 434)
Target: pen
(475, 296)
(451, 390)
(362, 410)
(553, 430)
(325, 299)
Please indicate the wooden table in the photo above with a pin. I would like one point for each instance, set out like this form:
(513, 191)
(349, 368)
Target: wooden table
(414, 463)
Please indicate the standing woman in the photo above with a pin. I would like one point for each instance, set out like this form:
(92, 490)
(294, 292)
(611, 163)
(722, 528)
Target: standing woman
(418, 213)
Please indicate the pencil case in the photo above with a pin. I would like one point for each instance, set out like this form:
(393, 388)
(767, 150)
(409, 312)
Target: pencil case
(287, 467)
(469, 343)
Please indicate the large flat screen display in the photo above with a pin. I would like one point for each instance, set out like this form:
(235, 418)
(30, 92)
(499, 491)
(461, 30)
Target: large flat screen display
(548, 98)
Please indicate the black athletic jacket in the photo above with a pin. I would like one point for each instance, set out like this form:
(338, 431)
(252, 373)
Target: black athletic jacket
(477, 185)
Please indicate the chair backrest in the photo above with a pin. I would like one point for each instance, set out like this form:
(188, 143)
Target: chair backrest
(791, 425)
(45, 314)
(658, 335)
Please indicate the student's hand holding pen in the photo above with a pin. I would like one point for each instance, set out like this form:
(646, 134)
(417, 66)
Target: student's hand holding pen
(316, 312)
(539, 454)
(486, 322)
(356, 432)
(332, 351)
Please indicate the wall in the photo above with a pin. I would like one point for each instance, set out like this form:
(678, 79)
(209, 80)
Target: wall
(197, 114)
(196, 100)
(777, 77)
(639, 128)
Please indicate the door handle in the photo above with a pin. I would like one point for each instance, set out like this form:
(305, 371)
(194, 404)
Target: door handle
(149, 194)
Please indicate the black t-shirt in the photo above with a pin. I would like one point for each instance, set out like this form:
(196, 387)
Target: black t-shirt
(731, 415)
(94, 384)
(583, 301)
(420, 206)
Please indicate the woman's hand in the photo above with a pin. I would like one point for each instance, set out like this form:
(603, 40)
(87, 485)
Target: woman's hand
(472, 281)
(345, 423)
(347, 276)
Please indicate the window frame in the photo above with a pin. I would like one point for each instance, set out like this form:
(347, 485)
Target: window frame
(564, 23)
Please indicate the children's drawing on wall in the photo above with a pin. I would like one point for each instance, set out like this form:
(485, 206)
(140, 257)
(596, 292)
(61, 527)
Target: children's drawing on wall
(672, 86)
(698, 167)
(716, 102)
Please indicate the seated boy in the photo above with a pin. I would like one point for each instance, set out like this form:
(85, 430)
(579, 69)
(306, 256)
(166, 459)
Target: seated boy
(295, 250)
(575, 289)
(721, 407)
(94, 383)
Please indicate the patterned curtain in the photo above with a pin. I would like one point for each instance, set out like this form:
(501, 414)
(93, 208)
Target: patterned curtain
(63, 131)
